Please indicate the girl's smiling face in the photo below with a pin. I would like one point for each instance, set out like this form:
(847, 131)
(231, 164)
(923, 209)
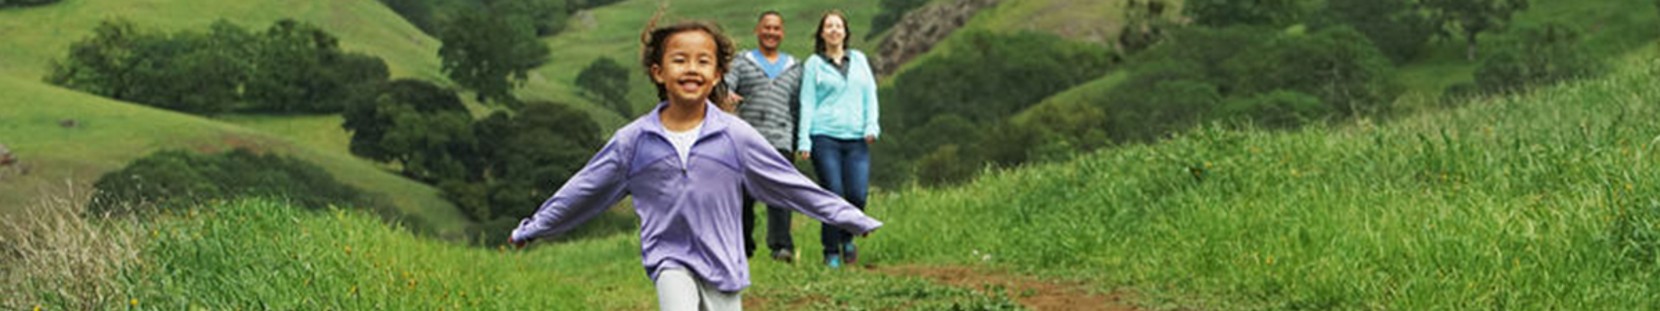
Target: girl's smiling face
(690, 67)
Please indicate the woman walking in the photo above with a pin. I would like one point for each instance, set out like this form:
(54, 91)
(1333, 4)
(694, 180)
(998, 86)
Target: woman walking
(837, 125)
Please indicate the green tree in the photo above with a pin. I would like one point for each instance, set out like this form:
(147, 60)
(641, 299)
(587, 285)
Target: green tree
(606, 81)
(417, 12)
(1394, 26)
(490, 55)
(1471, 18)
(1337, 65)
(194, 72)
(299, 68)
(102, 63)
(946, 165)
(1023, 68)
(1160, 108)
(420, 126)
(547, 16)
(22, 3)
(1145, 23)
(1279, 109)
(532, 152)
(1542, 56)
(1220, 13)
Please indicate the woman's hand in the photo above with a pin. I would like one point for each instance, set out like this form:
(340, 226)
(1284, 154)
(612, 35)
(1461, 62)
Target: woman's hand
(803, 155)
(870, 139)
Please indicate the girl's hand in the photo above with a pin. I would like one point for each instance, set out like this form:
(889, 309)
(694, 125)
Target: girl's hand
(517, 244)
(802, 155)
(867, 234)
(870, 139)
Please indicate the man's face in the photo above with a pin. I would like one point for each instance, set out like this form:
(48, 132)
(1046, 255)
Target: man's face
(770, 32)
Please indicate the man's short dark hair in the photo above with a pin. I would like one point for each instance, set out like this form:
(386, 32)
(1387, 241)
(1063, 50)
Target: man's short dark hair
(769, 12)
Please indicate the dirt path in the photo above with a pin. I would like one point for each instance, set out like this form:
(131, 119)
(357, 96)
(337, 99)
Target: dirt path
(1029, 291)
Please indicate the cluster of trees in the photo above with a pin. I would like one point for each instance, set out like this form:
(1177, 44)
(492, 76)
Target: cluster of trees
(21, 3)
(548, 17)
(605, 81)
(943, 109)
(291, 67)
(1540, 56)
(1274, 64)
(177, 179)
(495, 169)
(491, 46)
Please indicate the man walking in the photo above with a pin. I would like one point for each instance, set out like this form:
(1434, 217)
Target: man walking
(764, 83)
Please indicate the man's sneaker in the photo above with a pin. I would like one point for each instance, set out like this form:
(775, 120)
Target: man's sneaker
(783, 255)
(834, 261)
(851, 253)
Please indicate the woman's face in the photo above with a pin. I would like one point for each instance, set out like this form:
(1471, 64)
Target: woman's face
(835, 31)
(689, 68)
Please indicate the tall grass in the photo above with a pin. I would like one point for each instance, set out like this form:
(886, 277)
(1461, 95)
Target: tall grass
(50, 255)
(1542, 201)
(265, 254)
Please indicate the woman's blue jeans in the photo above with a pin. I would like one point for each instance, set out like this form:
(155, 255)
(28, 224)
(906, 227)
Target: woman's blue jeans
(843, 167)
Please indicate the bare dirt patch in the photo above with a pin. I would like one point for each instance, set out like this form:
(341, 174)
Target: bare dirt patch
(1029, 291)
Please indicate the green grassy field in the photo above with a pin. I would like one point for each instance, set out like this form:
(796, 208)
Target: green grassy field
(116, 132)
(1536, 202)
(1539, 201)
(363, 26)
(110, 133)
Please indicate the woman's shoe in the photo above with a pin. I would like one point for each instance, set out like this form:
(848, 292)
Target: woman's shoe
(834, 261)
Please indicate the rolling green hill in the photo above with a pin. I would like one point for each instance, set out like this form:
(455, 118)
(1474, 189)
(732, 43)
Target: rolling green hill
(1611, 29)
(110, 133)
(114, 132)
(1538, 201)
(365, 26)
(362, 25)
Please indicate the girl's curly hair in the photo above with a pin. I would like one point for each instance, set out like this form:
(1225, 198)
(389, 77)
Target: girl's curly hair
(651, 52)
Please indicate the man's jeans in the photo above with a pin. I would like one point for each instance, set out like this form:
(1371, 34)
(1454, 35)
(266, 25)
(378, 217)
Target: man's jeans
(778, 224)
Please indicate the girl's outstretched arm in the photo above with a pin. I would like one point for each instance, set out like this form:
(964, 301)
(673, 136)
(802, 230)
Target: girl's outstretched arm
(600, 184)
(771, 178)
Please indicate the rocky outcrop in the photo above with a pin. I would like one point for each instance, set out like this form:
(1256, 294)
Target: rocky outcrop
(920, 29)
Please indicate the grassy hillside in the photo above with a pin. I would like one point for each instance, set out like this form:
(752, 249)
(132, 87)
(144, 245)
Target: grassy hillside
(116, 132)
(1610, 29)
(348, 260)
(362, 25)
(110, 133)
(1539, 201)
